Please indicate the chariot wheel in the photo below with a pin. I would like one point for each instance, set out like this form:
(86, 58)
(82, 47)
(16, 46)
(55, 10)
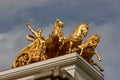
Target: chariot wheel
(22, 59)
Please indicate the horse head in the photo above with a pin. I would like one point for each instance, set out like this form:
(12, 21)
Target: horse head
(81, 29)
(93, 40)
(58, 23)
(84, 28)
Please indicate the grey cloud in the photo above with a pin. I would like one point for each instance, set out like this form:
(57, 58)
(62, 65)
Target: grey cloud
(108, 48)
(8, 46)
(74, 10)
(103, 16)
(13, 41)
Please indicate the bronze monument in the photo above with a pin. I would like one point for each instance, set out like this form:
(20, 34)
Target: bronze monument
(56, 44)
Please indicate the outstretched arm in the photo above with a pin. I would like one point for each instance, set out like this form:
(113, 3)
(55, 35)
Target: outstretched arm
(29, 27)
(98, 56)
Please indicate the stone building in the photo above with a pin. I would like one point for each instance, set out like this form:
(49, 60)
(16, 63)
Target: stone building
(67, 67)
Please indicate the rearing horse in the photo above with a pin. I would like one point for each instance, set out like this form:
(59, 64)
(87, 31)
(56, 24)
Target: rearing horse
(57, 29)
(74, 39)
(55, 39)
(87, 50)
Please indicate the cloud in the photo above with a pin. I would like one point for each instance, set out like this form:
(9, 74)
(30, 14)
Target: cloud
(102, 15)
(108, 48)
(10, 8)
(13, 41)
(14, 12)
(8, 47)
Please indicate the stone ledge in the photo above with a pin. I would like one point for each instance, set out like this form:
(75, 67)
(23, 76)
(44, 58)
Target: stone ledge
(62, 62)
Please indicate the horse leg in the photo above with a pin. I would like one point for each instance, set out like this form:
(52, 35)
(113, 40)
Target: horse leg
(94, 63)
(70, 47)
(81, 48)
(98, 56)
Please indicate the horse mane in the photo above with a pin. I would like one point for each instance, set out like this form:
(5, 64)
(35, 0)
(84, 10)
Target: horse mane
(93, 36)
(78, 26)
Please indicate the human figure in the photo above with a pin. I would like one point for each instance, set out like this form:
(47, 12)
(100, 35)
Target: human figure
(38, 42)
(37, 34)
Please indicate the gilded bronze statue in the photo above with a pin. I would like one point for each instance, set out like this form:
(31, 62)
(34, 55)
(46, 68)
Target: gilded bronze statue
(74, 39)
(87, 49)
(56, 44)
(33, 52)
(40, 48)
(55, 39)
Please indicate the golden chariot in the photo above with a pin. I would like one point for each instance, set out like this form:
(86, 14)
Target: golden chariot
(56, 44)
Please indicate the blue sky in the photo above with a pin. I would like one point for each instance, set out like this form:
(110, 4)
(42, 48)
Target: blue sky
(103, 17)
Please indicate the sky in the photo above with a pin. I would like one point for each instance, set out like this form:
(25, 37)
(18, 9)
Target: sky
(103, 17)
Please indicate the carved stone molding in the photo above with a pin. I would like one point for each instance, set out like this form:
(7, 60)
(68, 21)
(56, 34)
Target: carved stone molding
(72, 63)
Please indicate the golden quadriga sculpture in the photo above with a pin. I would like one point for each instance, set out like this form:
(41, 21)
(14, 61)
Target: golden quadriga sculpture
(56, 44)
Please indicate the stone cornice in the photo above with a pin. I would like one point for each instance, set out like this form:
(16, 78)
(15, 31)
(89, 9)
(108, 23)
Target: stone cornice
(62, 61)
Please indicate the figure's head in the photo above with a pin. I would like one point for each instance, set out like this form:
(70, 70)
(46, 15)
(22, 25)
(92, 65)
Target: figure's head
(59, 23)
(85, 28)
(39, 31)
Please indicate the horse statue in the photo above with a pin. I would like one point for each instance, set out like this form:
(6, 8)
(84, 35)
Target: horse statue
(56, 44)
(55, 39)
(57, 29)
(74, 39)
(87, 50)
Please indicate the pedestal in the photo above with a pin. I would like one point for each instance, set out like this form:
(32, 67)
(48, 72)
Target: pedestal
(67, 67)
